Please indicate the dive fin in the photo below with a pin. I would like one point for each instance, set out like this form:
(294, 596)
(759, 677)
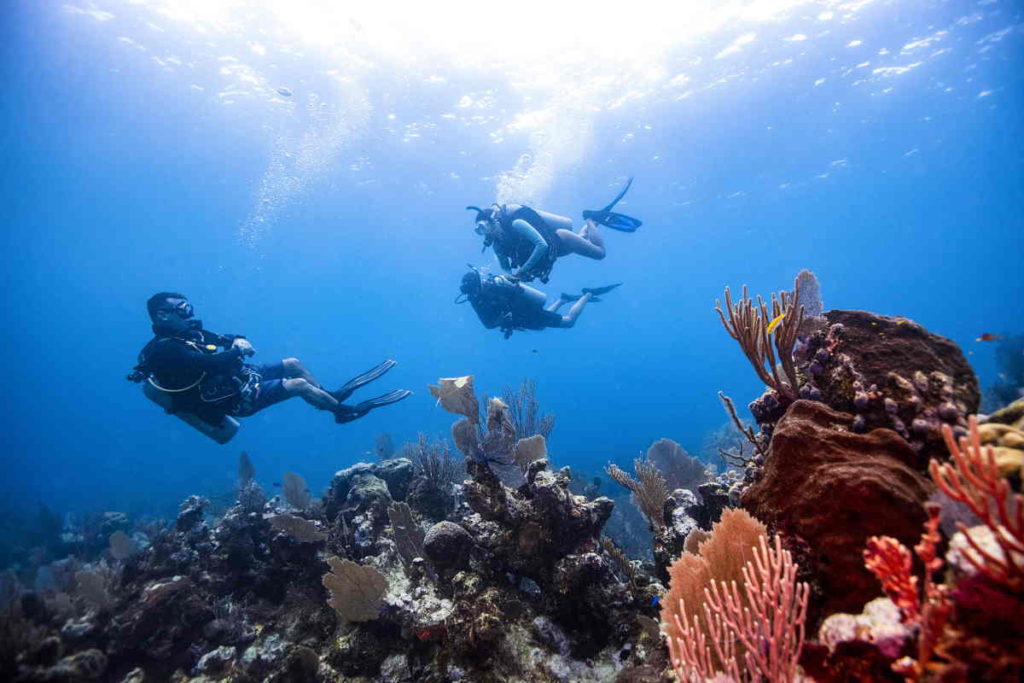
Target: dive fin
(344, 414)
(615, 221)
(618, 197)
(384, 399)
(362, 380)
(598, 291)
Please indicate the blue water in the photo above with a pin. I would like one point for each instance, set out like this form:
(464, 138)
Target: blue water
(876, 143)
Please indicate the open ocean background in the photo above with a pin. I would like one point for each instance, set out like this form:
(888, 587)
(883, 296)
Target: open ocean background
(300, 170)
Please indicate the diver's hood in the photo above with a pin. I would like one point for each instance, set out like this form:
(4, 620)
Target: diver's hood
(470, 282)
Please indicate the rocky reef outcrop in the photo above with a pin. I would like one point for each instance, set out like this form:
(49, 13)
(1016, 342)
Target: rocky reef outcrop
(515, 584)
(832, 488)
(888, 372)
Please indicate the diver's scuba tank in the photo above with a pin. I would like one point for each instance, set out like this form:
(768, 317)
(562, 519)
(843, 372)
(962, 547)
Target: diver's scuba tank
(164, 397)
(221, 434)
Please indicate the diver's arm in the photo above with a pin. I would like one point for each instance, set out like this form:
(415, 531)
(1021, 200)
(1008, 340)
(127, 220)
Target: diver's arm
(225, 340)
(489, 317)
(180, 354)
(528, 232)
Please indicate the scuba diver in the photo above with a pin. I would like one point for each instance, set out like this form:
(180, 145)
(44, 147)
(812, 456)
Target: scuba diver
(503, 302)
(528, 241)
(202, 378)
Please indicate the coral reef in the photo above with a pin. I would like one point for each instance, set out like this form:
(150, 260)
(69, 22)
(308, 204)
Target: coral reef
(373, 581)
(499, 566)
(680, 469)
(890, 373)
(754, 329)
(525, 410)
(833, 488)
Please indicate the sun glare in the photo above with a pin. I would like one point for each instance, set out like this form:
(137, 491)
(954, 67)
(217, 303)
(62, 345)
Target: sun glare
(529, 77)
(504, 36)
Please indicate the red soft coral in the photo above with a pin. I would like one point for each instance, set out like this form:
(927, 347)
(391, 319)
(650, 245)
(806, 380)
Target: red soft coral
(891, 563)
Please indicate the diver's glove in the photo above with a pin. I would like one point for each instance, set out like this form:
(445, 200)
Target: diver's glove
(521, 276)
(243, 346)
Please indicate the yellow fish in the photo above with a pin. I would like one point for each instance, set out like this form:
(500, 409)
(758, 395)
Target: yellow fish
(775, 323)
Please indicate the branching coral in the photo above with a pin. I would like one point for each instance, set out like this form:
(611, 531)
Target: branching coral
(752, 630)
(738, 458)
(973, 479)
(721, 557)
(525, 410)
(433, 461)
(648, 488)
(891, 562)
(753, 328)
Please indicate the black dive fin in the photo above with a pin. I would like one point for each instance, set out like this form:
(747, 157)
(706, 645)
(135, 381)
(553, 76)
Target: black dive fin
(362, 380)
(384, 399)
(598, 291)
(344, 413)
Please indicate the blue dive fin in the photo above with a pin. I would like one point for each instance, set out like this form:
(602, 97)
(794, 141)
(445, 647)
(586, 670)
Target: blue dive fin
(615, 221)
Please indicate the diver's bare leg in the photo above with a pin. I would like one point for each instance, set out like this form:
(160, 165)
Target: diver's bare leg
(569, 319)
(555, 305)
(294, 369)
(587, 242)
(310, 393)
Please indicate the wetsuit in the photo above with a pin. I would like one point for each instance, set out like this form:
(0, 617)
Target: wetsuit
(205, 376)
(511, 306)
(526, 241)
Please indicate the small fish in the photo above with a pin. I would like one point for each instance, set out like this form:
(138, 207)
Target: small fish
(211, 347)
(775, 322)
(534, 350)
(988, 337)
(284, 92)
(277, 483)
(655, 601)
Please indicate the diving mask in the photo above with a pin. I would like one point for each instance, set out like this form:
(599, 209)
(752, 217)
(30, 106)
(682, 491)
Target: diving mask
(182, 309)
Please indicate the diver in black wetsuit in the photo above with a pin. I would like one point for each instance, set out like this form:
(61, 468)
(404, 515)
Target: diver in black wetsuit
(503, 302)
(204, 373)
(528, 241)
